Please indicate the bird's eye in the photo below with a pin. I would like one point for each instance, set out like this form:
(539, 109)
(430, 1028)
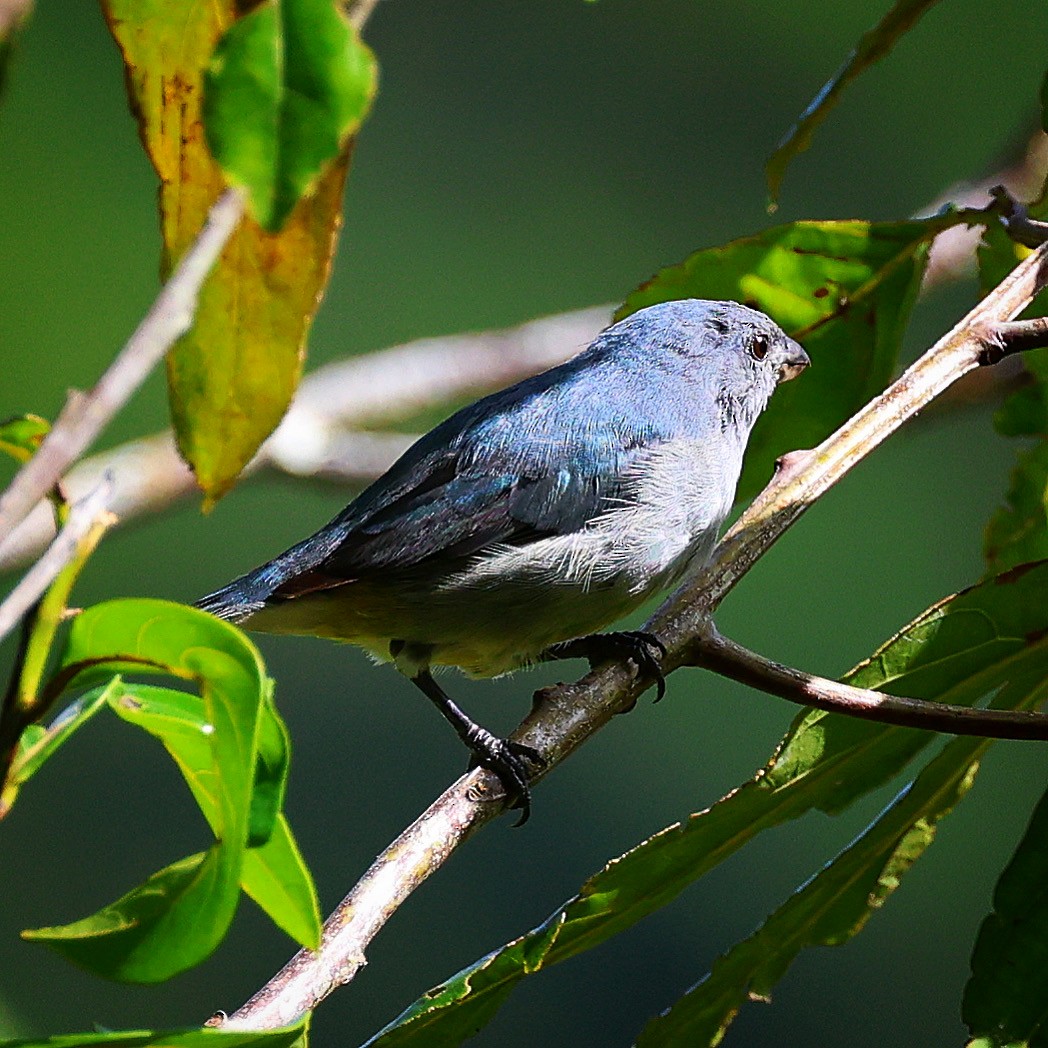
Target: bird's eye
(759, 347)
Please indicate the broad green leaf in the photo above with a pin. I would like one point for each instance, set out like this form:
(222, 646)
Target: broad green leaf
(164, 926)
(21, 436)
(836, 903)
(232, 376)
(194, 1037)
(963, 648)
(288, 84)
(181, 914)
(873, 45)
(1006, 999)
(843, 288)
(37, 744)
(274, 873)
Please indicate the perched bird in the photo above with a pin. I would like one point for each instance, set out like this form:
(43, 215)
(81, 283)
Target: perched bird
(524, 523)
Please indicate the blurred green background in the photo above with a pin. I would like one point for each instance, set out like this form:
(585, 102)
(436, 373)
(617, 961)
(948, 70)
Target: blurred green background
(522, 159)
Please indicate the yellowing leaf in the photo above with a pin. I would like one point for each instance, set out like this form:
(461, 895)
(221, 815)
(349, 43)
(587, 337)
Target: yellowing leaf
(231, 378)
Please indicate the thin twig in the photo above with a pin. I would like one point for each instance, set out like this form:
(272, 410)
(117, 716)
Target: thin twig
(86, 414)
(83, 516)
(359, 11)
(1016, 219)
(724, 656)
(566, 715)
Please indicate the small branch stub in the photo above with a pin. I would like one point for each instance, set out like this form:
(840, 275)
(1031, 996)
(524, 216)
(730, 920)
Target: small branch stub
(1010, 337)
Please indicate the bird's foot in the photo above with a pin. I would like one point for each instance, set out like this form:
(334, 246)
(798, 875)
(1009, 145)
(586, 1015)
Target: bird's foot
(643, 649)
(508, 760)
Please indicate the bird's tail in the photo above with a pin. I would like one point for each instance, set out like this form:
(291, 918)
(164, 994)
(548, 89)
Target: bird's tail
(239, 600)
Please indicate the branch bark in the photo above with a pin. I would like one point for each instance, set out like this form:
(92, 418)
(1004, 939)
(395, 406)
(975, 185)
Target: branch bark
(721, 655)
(566, 715)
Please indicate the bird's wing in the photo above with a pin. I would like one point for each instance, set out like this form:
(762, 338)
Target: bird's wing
(539, 459)
(452, 503)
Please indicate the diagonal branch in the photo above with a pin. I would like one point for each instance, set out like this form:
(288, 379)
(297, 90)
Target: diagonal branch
(85, 415)
(566, 715)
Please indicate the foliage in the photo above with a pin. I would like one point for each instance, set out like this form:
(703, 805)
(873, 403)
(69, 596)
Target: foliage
(232, 377)
(266, 98)
(232, 749)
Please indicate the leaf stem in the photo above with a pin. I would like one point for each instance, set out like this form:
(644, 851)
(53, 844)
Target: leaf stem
(44, 594)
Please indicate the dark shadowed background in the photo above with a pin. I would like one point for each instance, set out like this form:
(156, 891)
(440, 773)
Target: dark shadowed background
(523, 159)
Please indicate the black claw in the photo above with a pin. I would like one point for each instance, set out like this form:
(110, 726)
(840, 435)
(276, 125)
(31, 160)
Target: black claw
(506, 760)
(642, 648)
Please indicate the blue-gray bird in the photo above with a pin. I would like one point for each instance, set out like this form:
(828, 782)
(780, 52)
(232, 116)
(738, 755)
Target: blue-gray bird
(523, 524)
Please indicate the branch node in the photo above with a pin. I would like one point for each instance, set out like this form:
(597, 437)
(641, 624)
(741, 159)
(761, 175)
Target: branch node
(792, 462)
(1016, 220)
(1009, 337)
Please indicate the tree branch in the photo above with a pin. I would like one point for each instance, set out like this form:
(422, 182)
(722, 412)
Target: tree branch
(566, 715)
(84, 515)
(721, 655)
(86, 414)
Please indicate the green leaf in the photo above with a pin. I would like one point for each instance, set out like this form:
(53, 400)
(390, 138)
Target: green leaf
(873, 45)
(288, 84)
(1006, 999)
(21, 436)
(271, 769)
(180, 915)
(961, 649)
(827, 911)
(193, 1037)
(274, 873)
(836, 903)
(844, 289)
(164, 926)
(1018, 532)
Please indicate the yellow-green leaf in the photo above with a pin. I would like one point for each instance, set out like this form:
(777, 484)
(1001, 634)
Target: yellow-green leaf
(232, 376)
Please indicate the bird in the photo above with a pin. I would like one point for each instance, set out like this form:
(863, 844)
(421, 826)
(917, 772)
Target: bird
(524, 524)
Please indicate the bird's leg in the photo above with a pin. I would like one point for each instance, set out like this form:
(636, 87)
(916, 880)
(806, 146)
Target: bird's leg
(643, 649)
(501, 756)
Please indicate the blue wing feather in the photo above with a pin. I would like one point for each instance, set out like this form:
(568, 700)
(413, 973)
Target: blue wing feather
(541, 458)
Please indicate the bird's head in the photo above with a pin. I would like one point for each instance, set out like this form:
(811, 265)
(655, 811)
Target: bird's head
(724, 349)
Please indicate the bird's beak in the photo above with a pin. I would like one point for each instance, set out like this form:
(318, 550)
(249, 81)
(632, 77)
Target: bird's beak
(795, 363)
